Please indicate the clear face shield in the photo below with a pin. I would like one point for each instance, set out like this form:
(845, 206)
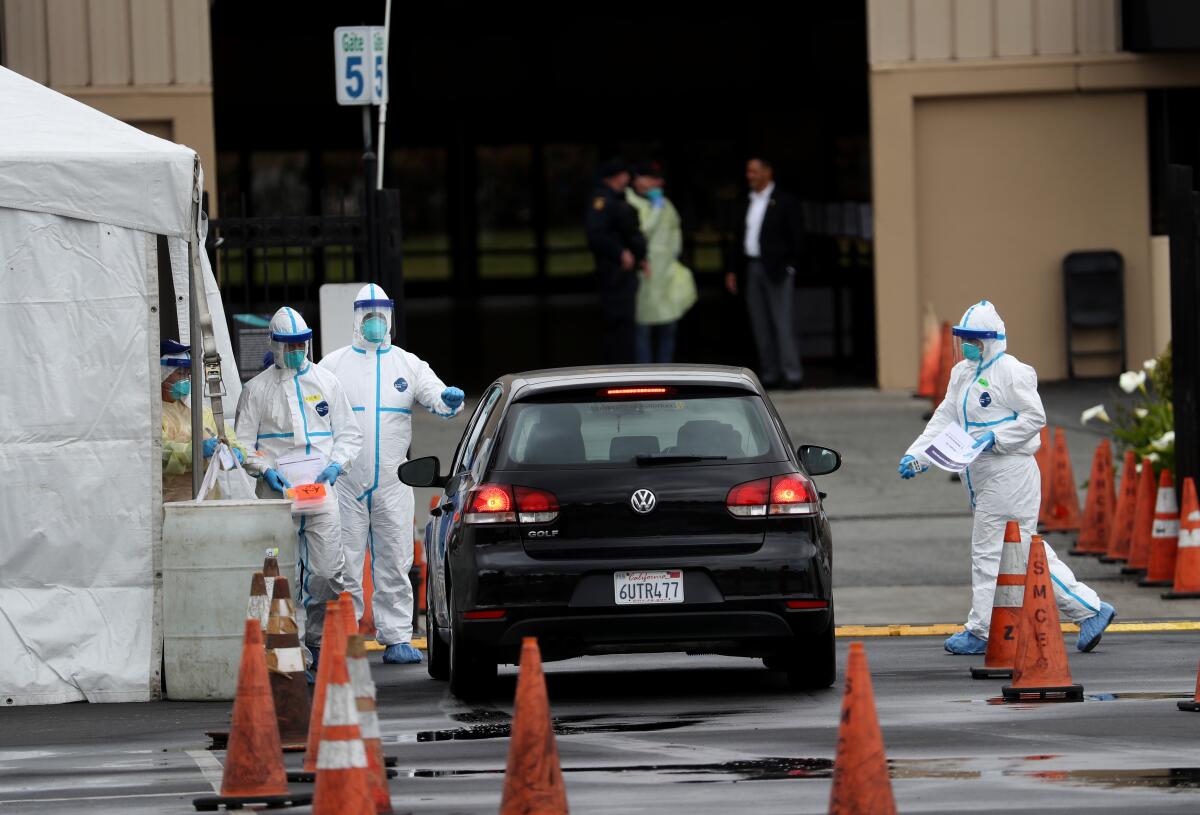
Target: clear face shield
(291, 352)
(373, 322)
(968, 344)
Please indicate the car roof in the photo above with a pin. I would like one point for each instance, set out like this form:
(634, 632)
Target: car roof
(529, 383)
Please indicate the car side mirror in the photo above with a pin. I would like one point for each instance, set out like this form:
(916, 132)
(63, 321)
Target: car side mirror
(819, 460)
(422, 472)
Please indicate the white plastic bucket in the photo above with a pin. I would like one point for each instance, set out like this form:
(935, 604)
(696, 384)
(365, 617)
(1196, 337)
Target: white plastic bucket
(211, 550)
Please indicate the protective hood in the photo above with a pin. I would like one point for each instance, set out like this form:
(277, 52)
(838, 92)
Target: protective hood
(982, 322)
(288, 328)
(372, 318)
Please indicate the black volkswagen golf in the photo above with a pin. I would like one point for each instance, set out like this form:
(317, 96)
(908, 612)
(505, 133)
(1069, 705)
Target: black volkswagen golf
(623, 510)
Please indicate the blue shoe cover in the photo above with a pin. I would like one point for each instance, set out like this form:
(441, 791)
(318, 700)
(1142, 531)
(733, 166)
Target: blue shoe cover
(401, 654)
(965, 643)
(1093, 627)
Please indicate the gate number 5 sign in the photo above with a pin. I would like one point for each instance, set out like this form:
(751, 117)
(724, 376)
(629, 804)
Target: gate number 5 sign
(360, 65)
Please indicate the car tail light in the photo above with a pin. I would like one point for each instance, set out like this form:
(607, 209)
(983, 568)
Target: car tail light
(807, 604)
(790, 494)
(535, 506)
(485, 614)
(490, 504)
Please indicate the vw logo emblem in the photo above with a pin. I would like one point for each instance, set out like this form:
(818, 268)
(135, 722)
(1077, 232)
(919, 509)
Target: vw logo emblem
(643, 501)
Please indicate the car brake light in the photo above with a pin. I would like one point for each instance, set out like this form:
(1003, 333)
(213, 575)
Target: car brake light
(490, 504)
(637, 391)
(535, 506)
(485, 614)
(791, 494)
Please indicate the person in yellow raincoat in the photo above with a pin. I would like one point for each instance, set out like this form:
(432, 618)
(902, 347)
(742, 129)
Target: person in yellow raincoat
(666, 289)
(175, 366)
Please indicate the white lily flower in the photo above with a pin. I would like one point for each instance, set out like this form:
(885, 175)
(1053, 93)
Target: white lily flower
(1095, 412)
(1141, 413)
(1164, 442)
(1150, 364)
(1132, 380)
(1152, 457)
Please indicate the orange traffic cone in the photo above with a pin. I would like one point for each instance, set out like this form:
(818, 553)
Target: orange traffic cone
(343, 786)
(285, 661)
(1100, 507)
(860, 773)
(1192, 705)
(366, 626)
(1164, 535)
(931, 356)
(270, 569)
(1006, 609)
(1040, 669)
(1045, 462)
(254, 771)
(1122, 528)
(945, 365)
(1187, 563)
(533, 781)
(333, 653)
(368, 720)
(259, 607)
(1064, 497)
(1143, 521)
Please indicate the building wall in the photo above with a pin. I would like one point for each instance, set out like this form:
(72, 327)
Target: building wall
(146, 62)
(1005, 134)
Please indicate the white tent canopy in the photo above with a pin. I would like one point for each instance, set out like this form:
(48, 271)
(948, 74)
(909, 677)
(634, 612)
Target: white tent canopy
(82, 199)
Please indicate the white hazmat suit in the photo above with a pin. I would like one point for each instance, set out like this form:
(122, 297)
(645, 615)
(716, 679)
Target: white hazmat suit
(384, 384)
(998, 393)
(287, 410)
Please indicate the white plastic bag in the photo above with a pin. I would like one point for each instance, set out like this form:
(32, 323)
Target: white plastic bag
(220, 481)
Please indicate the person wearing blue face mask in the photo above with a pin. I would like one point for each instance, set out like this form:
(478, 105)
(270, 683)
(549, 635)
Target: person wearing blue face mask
(295, 407)
(175, 366)
(385, 384)
(994, 398)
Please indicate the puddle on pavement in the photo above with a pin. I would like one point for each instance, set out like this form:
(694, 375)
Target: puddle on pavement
(1161, 778)
(764, 769)
(562, 727)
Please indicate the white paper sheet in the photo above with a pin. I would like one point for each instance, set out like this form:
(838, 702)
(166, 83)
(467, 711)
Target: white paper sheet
(299, 468)
(952, 450)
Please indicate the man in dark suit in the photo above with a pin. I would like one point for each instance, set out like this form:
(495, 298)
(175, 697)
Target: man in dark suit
(616, 240)
(766, 255)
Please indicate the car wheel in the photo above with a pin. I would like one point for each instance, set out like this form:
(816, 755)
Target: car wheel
(811, 662)
(437, 658)
(471, 672)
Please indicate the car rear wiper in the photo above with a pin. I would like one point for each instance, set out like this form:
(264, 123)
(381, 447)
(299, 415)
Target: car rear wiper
(646, 461)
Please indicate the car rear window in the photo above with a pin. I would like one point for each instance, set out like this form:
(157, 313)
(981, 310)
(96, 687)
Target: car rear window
(615, 432)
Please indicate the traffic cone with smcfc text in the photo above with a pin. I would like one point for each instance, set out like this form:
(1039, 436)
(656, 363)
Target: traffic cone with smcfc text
(1164, 535)
(1121, 533)
(1064, 497)
(1143, 521)
(285, 662)
(861, 785)
(271, 569)
(342, 787)
(1192, 705)
(533, 781)
(368, 720)
(1187, 561)
(931, 356)
(1041, 672)
(1101, 502)
(1045, 462)
(253, 772)
(259, 607)
(1006, 609)
(333, 653)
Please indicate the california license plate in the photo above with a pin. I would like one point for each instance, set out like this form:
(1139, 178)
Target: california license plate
(648, 588)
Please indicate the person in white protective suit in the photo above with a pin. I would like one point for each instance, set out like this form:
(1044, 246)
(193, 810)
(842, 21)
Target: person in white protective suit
(384, 383)
(994, 398)
(295, 407)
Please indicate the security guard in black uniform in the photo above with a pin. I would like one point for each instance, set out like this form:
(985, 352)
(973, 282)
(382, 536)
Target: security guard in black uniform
(616, 239)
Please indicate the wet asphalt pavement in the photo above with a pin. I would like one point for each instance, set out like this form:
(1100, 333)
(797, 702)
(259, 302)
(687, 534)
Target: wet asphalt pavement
(668, 734)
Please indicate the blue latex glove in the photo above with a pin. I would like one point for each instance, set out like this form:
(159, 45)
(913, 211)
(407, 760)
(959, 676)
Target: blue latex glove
(238, 455)
(210, 446)
(329, 475)
(276, 481)
(910, 467)
(987, 441)
(453, 397)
